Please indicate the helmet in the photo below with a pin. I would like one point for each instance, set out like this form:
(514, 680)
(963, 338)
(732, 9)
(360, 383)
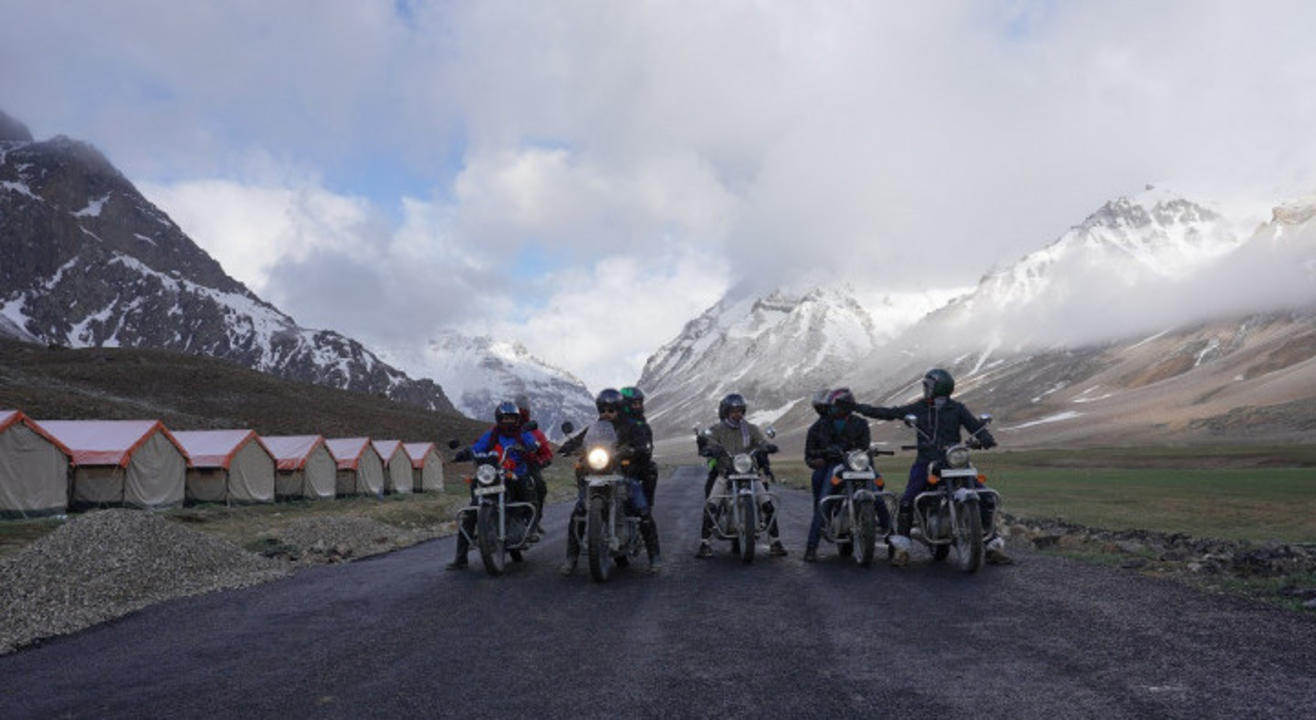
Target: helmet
(820, 401)
(608, 399)
(841, 400)
(937, 383)
(507, 415)
(634, 397)
(734, 400)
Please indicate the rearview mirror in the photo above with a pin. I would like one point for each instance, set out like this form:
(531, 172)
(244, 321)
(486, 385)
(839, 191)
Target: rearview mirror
(910, 419)
(986, 418)
(568, 428)
(770, 431)
(453, 444)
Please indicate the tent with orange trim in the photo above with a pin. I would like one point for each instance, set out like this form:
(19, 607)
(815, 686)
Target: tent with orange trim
(228, 466)
(304, 469)
(34, 468)
(360, 469)
(426, 466)
(136, 463)
(397, 465)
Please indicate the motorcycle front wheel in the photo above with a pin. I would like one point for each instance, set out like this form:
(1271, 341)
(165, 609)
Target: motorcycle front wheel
(749, 524)
(600, 555)
(867, 532)
(491, 548)
(968, 537)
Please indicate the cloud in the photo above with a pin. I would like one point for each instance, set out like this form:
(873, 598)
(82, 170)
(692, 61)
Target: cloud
(902, 146)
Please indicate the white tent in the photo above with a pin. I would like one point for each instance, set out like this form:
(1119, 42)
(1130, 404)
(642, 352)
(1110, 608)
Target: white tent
(397, 465)
(426, 466)
(227, 466)
(360, 469)
(305, 467)
(122, 462)
(34, 468)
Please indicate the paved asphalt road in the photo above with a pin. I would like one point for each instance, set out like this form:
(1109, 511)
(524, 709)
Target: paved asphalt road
(397, 636)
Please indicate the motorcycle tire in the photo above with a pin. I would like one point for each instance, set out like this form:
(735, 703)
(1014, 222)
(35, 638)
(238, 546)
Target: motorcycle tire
(600, 555)
(749, 523)
(968, 537)
(491, 548)
(866, 532)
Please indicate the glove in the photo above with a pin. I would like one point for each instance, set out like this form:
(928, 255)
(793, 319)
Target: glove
(834, 453)
(988, 442)
(770, 448)
(462, 455)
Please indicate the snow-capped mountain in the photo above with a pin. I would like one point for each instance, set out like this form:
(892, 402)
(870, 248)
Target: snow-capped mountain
(775, 349)
(88, 261)
(480, 372)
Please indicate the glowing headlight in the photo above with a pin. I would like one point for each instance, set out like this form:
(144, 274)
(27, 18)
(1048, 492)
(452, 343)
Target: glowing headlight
(743, 463)
(858, 461)
(597, 458)
(957, 457)
(486, 474)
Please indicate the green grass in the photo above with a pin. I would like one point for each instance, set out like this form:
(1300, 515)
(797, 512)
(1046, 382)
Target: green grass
(1232, 493)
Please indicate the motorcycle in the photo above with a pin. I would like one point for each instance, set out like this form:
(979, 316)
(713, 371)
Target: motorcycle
(502, 525)
(609, 536)
(849, 517)
(736, 515)
(948, 515)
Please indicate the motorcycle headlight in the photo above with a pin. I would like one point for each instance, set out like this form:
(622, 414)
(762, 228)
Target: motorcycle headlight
(957, 457)
(486, 474)
(598, 458)
(743, 463)
(858, 461)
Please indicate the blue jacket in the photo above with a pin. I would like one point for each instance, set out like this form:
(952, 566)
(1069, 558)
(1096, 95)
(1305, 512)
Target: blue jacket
(494, 441)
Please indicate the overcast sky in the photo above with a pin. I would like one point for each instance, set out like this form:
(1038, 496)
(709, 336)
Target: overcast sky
(587, 176)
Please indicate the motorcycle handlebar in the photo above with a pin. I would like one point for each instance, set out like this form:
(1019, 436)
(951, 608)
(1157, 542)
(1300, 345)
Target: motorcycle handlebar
(908, 447)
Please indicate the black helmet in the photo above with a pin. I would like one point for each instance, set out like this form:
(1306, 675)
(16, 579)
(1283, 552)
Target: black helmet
(734, 400)
(634, 397)
(507, 415)
(820, 401)
(608, 399)
(841, 400)
(937, 383)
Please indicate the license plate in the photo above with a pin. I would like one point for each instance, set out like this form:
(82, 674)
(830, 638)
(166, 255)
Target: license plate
(489, 490)
(856, 475)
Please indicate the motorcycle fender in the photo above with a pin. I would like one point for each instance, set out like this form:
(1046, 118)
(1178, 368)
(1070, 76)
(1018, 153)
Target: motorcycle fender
(596, 481)
(965, 494)
(861, 495)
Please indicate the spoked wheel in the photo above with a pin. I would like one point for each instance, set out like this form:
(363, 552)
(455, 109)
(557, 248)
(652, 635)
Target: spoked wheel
(968, 537)
(867, 532)
(600, 555)
(749, 524)
(491, 547)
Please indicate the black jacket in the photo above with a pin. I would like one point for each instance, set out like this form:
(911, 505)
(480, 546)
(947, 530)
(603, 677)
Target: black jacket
(940, 421)
(823, 440)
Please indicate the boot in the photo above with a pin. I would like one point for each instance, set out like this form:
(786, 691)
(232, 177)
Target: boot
(904, 520)
(899, 550)
(649, 531)
(810, 554)
(459, 560)
(705, 549)
(996, 551)
(573, 548)
(777, 549)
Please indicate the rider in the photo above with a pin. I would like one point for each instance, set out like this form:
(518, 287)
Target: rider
(735, 435)
(540, 459)
(609, 403)
(633, 409)
(826, 445)
(513, 446)
(938, 419)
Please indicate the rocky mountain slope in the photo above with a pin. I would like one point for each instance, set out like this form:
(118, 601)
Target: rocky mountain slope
(89, 262)
(479, 372)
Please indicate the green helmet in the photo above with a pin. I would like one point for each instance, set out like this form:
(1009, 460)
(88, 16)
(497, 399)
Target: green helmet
(633, 400)
(937, 383)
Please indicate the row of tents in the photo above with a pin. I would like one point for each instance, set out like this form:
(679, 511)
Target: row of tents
(50, 466)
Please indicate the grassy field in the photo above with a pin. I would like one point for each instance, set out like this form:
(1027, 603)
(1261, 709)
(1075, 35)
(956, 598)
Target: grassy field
(1248, 493)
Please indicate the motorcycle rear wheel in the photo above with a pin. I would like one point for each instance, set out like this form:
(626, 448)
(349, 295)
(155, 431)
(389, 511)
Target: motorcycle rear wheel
(968, 537)
(749, 524)
(867, 532)
(600, 555)
(491, 548)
